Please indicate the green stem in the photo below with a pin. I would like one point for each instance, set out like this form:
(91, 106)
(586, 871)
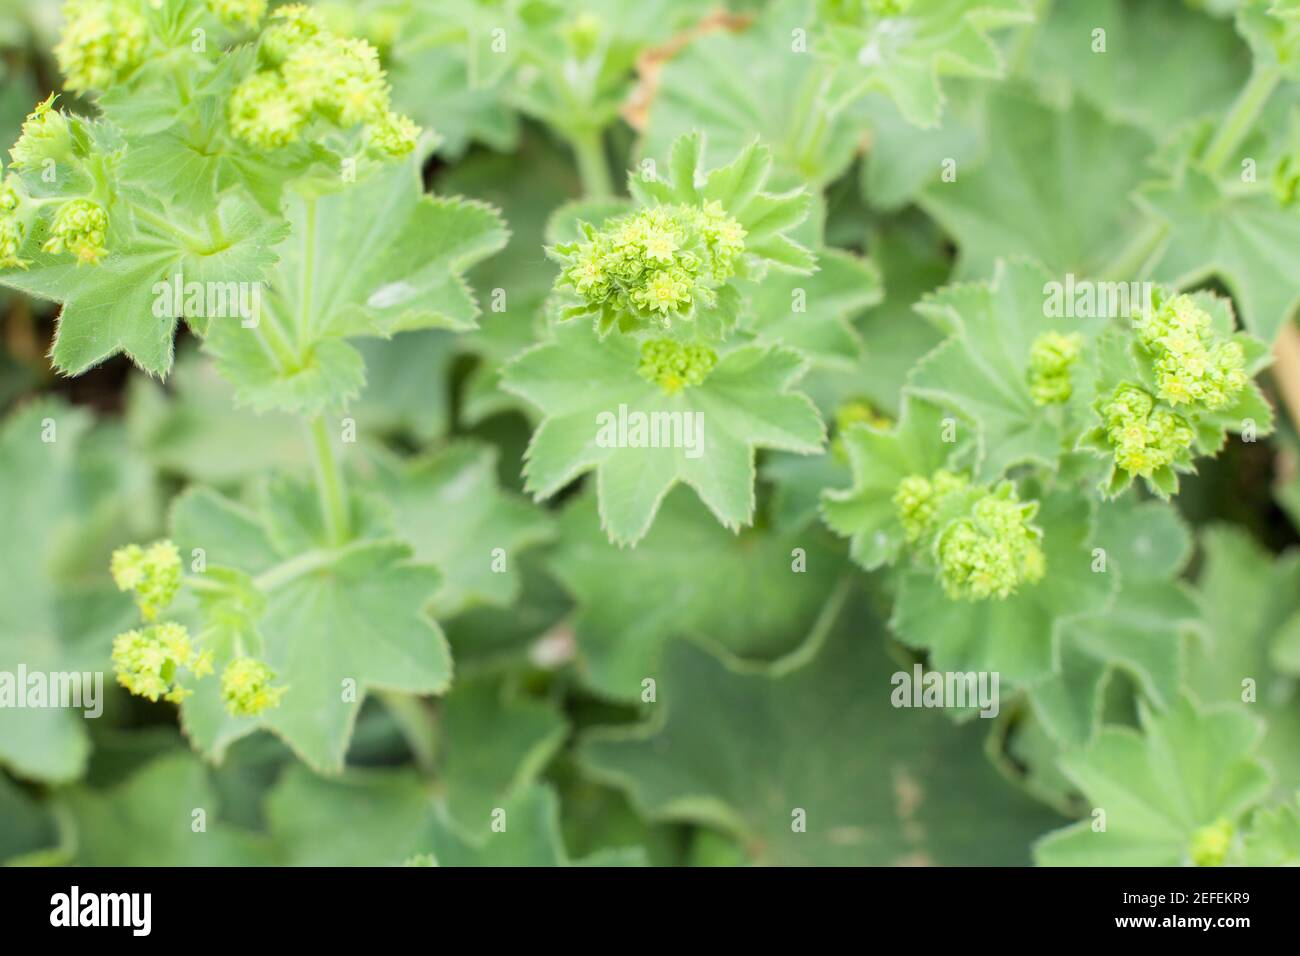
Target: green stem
(329, 484)
(308, 277)
(1237, 124)
(417, 725)
(589, 148)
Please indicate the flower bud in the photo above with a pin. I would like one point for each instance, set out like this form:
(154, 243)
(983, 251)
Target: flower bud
(45, 136)
(80, 227)
(102, 40)
(13, 232)
(392, 135)
(918, 501)
(1051, 358)
(1144, 438)
(263, 114)
(246, 687)
(1210, 844)
(994, 550)
(674, 366)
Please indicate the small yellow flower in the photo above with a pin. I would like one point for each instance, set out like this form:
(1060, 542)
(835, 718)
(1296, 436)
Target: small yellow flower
(102, 40)
(246, 687)
(153, 573)
(148, 662)
(263, 114)
(1051, 358)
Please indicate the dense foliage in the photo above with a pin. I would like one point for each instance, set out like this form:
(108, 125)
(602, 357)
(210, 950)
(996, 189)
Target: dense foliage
(528, 432)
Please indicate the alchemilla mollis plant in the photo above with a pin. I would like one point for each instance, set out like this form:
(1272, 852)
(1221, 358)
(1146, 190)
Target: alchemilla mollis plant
(572, 432)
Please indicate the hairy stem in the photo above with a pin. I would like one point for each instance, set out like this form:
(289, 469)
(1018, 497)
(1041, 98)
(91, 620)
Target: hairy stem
(417, 724)
(329, 484)
(589, 149)
(1237, 124)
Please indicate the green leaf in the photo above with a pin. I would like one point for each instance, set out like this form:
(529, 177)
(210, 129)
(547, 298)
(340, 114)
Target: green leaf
(337, 621)
(1189, 768)
(1141, 633)
(378, 258)
(905, 55)
(387, 817)
(722, 85)
(904, 159)
(153, 819)
(1055, 186)
(29, 832)
(1131, 81)
(912, 255)
(1242, 237)
(113, 307)
(745, 403)
(52, 621)
(1247, 595)
(190, 429)
(880, 460)
(449, 507)
(497, 742)
(1019, 636)
(753, 751)
(983, 370)
(812, 313)
(1274, 837)
(630, 603)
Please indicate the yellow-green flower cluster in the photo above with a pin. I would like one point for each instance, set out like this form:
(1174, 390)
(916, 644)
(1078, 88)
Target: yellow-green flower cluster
(314, 72)
(1051, 358)
(45, 135)
(919, 500)
(153, 573)
(659, 262)
(993, 550)
(12, 229)
(150, 662)
(102, 41)
(1145, 437)
(1194, 365)
(249, 13)
(673, 365)
(1210, 844)
(80, 227)
(246, 687)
